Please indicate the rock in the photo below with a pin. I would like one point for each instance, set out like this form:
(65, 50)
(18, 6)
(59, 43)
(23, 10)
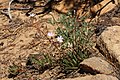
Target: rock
(119, 1)
(95, 77)
(96, 65)
(108, 43)
(116, 20)
(106, 9)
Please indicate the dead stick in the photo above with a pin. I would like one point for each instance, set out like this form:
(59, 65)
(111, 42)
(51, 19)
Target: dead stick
(9, 9)
(15, 9)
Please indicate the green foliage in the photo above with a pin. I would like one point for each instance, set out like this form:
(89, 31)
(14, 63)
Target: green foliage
(77, 39)
(72, 60)
(14, 70)
(41, 60)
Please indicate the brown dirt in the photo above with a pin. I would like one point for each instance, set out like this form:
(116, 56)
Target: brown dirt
(24, 36)
(21, 37)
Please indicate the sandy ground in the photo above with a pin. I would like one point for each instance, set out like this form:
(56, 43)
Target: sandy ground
(21, 37)
(24, 36)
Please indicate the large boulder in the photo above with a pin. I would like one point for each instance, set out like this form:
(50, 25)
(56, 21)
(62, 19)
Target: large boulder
(93, 77)
(108, 43)
(96, 65)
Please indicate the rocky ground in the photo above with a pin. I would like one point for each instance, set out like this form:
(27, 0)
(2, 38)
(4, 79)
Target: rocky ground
(25, 36)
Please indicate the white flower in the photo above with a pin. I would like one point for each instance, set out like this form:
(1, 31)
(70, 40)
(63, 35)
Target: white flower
(32, 15)
(60, 39)
(50, 34)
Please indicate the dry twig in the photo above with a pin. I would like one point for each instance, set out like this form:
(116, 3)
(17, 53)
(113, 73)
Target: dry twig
(9, 14)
